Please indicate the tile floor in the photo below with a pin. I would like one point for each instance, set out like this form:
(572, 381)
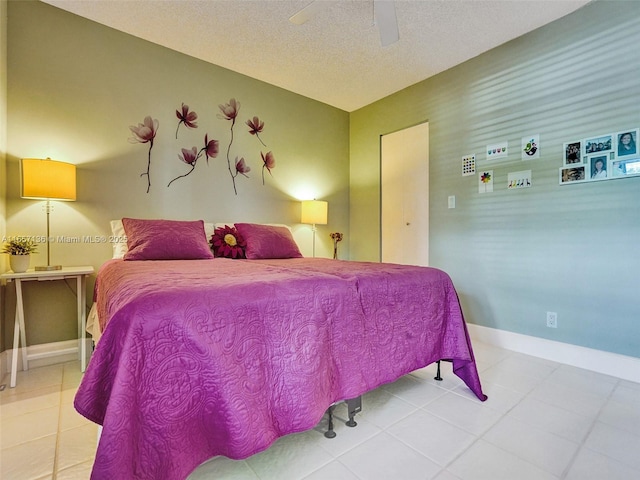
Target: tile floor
(543, 420)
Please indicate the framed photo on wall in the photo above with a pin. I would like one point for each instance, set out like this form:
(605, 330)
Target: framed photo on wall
(598, 166)
(572, 153)
(603, 143)
(627, 143)
(625, 168)
(573, 174)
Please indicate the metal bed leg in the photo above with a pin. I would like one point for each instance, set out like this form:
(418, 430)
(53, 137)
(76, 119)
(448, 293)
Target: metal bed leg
(330, 433)
(438, 377)
(354, 405)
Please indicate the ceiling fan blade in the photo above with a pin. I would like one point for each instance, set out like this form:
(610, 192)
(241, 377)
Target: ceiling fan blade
(385, 15)
(307, 12)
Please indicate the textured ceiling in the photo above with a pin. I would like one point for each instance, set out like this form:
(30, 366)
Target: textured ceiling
(336, 56)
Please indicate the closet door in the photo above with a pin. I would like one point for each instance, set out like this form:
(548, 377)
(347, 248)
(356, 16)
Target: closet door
(405, 196)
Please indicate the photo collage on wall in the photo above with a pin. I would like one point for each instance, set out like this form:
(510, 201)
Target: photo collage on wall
(602, 157)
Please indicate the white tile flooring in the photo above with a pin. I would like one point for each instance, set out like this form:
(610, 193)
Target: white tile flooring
(543, 420)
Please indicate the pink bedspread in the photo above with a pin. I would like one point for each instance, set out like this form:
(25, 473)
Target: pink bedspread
(200, 358)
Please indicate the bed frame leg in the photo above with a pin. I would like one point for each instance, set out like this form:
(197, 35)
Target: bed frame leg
(438, 377)
(330, 433)
(354, 406)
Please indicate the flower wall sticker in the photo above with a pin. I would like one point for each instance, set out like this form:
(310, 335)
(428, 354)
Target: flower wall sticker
(191, 156)
(268, 162)
(241, 168)
(145, 133)
(230, 112)
(255, 128)
(186, 117)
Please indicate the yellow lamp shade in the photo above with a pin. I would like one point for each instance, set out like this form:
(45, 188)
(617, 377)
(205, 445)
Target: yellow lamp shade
(47, 179)
(314, 212)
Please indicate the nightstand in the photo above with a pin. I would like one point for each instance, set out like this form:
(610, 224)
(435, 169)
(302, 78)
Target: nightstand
(80, 274)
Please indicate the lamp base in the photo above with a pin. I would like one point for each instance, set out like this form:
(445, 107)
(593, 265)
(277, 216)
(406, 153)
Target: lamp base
(48, 268)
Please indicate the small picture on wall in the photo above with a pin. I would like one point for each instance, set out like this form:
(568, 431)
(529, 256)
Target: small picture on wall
(519, 179)
(572, 175)
(603, 143)
(623, 168)
(469, 165)
(498, 150)
(572, 153)
(598, 167)
(485, 181)
(627, 143)
(531, 147)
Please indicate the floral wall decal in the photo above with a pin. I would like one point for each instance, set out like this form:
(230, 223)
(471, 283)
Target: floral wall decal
(241, 168)
(268, 162)
(255, 128)
(186, 117)
(230, 112)
(191, 156)
(145, 133)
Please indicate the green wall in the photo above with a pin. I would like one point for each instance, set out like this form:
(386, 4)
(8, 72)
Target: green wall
(75, 87)
(3, 152)
(516, 254)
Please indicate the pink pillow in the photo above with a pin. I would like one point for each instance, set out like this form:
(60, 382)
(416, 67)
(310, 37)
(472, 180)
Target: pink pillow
(267, 241)
(165, 240)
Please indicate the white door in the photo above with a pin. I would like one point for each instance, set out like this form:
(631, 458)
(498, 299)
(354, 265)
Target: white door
(405, 196)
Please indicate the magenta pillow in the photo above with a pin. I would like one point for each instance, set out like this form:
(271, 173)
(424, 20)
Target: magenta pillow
(165, 240)
(268, 241)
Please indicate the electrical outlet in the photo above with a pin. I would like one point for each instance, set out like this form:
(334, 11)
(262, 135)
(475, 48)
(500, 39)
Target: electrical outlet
(552, 320)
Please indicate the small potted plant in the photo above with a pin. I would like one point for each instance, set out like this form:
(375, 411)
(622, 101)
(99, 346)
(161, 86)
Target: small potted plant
(19, 249)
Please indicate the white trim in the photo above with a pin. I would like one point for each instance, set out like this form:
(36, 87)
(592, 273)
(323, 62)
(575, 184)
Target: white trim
(45, 354)
(621, 366)
(616, 365)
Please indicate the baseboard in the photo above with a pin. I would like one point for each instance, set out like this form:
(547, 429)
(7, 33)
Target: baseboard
(45, 354)
(621, 366)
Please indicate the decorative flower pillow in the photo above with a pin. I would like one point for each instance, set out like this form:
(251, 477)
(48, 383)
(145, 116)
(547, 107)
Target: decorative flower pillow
(227, 242)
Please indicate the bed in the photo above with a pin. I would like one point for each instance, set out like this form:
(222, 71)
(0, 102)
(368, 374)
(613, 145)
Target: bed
(212, 356)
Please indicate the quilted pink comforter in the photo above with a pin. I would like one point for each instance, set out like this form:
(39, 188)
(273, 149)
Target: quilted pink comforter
(200, 358)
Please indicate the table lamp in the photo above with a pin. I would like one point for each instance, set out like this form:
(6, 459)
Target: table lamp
(314, 212)
(47, 180)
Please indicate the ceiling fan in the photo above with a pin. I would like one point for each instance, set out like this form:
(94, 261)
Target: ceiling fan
(384, 13)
